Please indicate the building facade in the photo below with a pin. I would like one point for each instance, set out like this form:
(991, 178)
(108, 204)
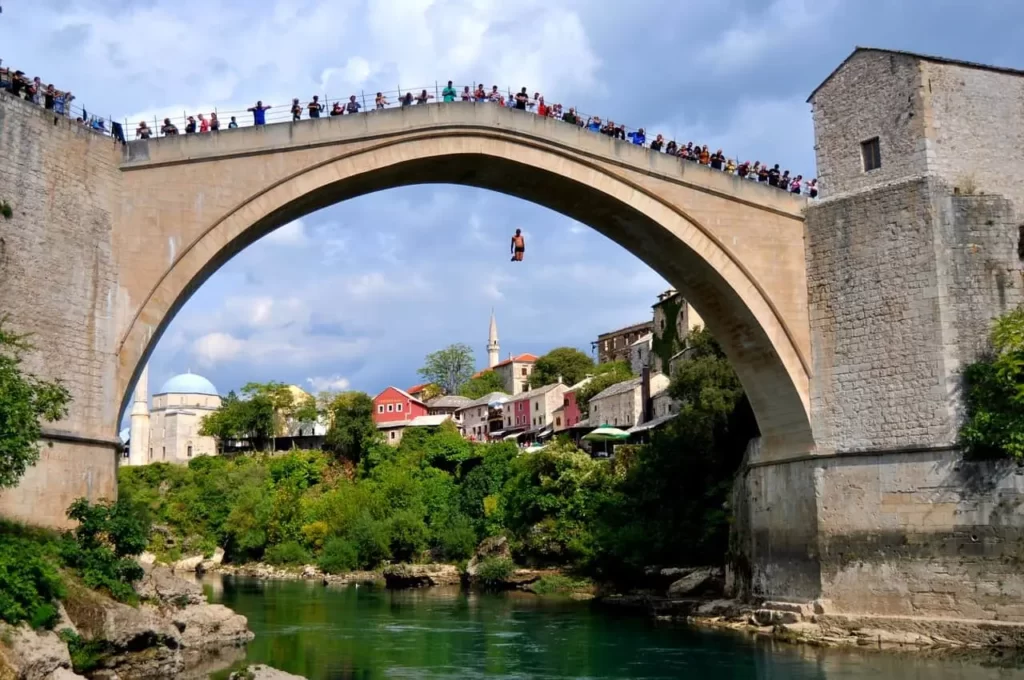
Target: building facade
(392, 431)
(640, 353)
(515, 373)
(621, 405)
(883, 116)
(395, 405)
(168, 432)
(543, 403)
(478, 416)
(673, 320)
(448, 405)
(614, 346)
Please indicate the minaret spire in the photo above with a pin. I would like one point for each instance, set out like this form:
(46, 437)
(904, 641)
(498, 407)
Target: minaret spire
(138, 445)
(493, 351)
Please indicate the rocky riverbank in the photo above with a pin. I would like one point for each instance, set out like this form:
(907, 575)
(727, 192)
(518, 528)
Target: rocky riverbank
(173, 629)
(694, 596)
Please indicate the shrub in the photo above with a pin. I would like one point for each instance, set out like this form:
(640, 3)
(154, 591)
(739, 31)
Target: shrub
(994, 394)
(494, 571)
(287, 553)
(101, 548)
(339, 556)
(456, 538)
(559, 584)
(408, 535)
(29, 582)
(372, 540)
(86, 655)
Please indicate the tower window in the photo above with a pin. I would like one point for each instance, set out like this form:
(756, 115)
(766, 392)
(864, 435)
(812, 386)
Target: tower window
(189, 450)
(870, 154)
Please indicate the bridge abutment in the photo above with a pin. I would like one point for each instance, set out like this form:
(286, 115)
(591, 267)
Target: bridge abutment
(59, 284)
(886, 517)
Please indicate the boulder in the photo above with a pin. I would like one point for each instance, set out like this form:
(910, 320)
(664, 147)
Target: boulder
(146, 559)
(493, 546)
(210, 626)
(700, 581)
(420, 575)
(33, 655)
(213, 561)
(188, 564)
(261, 672)
(64, 674)
(160, 585)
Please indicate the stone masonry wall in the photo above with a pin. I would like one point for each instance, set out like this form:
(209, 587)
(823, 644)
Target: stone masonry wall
(903, 282)
(876, 321)
(876, 94)
(922, 534)
(975, 127)
(58, 283)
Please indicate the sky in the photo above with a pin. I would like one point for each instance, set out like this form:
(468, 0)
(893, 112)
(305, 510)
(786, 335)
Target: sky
(355, 295)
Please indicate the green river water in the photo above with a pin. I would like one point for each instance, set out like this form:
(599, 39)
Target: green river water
(365, 633)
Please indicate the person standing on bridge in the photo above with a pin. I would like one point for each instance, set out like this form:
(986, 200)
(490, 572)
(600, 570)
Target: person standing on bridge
(315, 107)
(259, 113)
(353, 106)
(448, 94)
(518, 244)
(522, 99)
(296, 110)
(232, 124)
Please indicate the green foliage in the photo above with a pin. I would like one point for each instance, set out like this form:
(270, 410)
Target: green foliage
(605, 375)
(102, 547)
(25, 401)
(565, 363)
(437, 495)
(485, 383)
(560, 584)
(86, 655)
(339, 555)
(455, 538)
(252, 419)
(994, 396)
(665, 342)
(29, 581)
(289, 553)
(494, 571)
(449, 368)
(352, 430)
(6, 210)
(670, 503)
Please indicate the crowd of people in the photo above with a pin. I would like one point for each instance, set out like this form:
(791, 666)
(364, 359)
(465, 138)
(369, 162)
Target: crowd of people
(755, 171)
(47, 96)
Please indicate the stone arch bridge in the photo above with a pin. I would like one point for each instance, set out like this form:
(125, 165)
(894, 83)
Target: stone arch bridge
(846, 320)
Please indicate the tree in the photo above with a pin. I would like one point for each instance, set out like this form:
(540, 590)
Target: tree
(25, 401)
(606, 375)
(352, 429)
(565, 363)
(252, 419)
(485, 383)
(449, 368)
(282, 400)
(994, 394)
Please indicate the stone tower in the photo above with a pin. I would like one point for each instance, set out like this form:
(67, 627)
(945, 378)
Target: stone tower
(493, 351)
(139, 437)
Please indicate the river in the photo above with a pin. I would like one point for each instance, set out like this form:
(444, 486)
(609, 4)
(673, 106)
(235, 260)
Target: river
(345, 632)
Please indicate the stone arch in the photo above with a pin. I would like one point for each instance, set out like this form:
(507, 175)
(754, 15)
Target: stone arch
(733, 303)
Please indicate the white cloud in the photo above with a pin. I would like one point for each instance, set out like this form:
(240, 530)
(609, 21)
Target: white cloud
(334, 383)
(214, 348)
(291, 234)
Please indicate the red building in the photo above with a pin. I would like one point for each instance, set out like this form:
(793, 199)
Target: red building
(571, 413)
(394, 405)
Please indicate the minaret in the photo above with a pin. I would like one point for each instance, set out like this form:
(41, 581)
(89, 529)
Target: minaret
(493, 352)
(138, 451)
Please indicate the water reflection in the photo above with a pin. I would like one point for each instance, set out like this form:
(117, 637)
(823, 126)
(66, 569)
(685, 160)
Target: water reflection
(336, 632)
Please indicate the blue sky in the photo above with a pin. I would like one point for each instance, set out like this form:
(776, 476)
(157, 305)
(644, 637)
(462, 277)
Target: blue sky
(355, 295)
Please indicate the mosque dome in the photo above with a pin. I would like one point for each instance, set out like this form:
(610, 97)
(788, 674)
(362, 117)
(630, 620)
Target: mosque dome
(188, 383)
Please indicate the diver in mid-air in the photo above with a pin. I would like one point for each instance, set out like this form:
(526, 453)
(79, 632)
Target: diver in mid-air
(518, 246)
